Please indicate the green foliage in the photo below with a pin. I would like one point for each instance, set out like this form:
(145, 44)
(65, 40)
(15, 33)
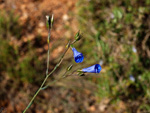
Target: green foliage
(9, 25)
(103, 87)
(118, 31)
(7, 55)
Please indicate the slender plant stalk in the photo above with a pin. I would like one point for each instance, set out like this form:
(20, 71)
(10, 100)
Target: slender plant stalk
(41, 87)
(63, 76)
(52, 82)
(48, 40)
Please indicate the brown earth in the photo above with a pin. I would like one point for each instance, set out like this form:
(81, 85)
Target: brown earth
(32, 17)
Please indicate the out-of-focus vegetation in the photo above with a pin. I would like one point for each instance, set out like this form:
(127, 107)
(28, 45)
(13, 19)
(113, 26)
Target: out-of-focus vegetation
(118, 33)
(18, 62)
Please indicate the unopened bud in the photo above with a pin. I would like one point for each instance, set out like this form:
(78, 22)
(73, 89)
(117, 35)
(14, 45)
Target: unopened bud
(49, 20)
(78, 36)
(81, 74)
(70, 67)
(52, 20)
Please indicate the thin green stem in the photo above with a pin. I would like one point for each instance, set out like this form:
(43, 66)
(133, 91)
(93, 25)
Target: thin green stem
(57, 65)
(63, 76)
(73, 42)
(48, 52)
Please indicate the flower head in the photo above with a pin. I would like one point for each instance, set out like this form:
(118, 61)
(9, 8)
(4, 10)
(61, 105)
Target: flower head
(78, 57)
(132, 78)
(134, 49)
(93, 69)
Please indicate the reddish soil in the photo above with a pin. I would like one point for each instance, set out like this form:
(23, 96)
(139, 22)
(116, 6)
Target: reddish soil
(32, 18)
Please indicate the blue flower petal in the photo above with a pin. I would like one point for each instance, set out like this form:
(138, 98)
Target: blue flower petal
(78, 57)
(132, 78)
(93, 69)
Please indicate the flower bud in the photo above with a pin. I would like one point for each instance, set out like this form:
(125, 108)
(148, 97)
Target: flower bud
(78, 36)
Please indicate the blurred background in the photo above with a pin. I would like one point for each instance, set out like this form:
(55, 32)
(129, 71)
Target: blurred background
(115, 34)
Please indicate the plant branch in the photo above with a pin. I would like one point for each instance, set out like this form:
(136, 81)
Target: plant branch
(41, 87)
(48, 52)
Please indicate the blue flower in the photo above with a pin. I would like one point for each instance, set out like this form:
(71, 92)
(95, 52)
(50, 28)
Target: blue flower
(78, 57)
(93, 69)
(132, 78)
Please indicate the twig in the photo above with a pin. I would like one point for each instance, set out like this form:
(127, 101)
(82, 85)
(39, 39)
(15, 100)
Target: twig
(48, 52)
(41, 87)
(62, 77)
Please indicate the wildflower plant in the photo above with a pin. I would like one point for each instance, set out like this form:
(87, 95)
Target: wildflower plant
(78, 57)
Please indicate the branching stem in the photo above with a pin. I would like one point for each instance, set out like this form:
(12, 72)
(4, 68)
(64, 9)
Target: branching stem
(41, 87)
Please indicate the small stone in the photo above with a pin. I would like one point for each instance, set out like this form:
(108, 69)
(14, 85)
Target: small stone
(65, 17)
